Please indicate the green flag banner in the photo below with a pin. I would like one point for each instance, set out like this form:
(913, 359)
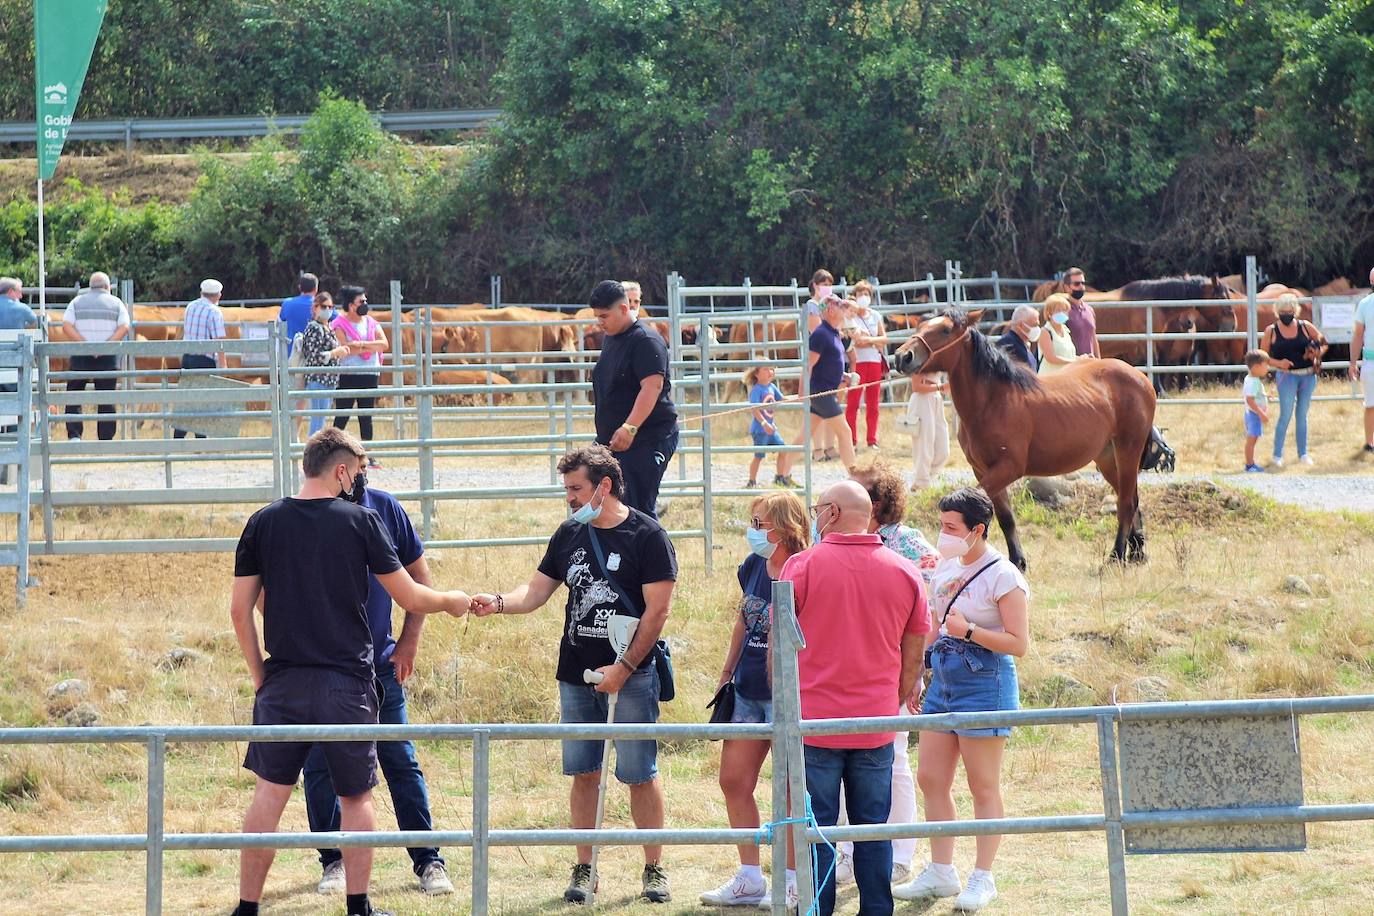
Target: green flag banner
(64, 36)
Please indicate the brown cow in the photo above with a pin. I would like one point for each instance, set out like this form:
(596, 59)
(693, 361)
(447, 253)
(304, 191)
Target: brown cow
(592, 335)
(545, 337)
(442, 340)
(470, 377)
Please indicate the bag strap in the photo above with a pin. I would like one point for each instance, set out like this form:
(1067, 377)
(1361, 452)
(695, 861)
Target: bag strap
(601, 561)
(967, 582)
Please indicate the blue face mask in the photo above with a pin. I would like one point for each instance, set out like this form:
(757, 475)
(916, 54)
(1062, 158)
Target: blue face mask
(759, 543)
(588, 513)
(1060, 318)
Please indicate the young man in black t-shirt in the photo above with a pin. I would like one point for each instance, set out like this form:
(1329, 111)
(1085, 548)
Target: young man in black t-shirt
(635, 416)
(309, 558)
(617, 562)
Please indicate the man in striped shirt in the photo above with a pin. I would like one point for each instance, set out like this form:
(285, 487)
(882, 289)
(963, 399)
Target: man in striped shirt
(203, 321)
(95, 316)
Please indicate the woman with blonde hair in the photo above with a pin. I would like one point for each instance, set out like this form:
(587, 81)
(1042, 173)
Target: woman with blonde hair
(1056, 344)
(778, 528)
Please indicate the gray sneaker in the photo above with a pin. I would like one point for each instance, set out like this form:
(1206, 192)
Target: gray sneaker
(434, 879)
(655, 884)
(580, 885)
(332, 881)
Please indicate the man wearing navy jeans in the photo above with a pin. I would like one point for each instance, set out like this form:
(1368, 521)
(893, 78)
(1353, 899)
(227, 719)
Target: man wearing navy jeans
(862, 609)
(394, 660)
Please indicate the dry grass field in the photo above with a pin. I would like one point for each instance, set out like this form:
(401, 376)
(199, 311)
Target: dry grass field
(1208, 617)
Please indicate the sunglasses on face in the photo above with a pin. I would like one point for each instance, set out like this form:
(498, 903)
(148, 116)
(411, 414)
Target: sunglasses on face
(758, 524)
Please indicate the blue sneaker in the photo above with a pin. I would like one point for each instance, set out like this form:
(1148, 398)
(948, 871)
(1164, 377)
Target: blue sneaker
(1253, 469)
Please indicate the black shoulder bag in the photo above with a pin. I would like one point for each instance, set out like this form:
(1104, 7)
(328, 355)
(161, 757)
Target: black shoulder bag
(662, 657)
(950, 605)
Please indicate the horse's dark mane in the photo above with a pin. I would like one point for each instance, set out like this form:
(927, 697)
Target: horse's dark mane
(1185, 287)
(990, 361)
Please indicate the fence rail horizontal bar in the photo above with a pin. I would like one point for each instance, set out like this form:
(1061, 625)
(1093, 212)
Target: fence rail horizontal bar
(39, 547)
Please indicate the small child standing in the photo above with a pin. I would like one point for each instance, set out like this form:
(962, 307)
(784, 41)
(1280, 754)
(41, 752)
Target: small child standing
(763, 391)
(1256, 405)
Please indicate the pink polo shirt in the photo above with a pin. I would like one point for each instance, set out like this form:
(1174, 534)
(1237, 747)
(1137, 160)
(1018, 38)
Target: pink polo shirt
(855, 600)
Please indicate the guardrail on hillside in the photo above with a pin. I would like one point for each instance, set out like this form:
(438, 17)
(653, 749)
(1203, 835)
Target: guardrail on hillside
(132, 129)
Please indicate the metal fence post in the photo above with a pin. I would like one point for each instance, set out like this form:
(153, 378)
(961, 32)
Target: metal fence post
(787, 708)
(1111, 808)
(707, 499)
(778, 646)
(398, 378)
(1150, 343)
(281, 441)
(481, 823)
(128, 429)
(44, 435)
(1251, 310)
(424, 373)
(157, 759)
(804, 388)
(24, 452)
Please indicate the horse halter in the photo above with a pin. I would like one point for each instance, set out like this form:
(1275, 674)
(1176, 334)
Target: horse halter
(932, 353)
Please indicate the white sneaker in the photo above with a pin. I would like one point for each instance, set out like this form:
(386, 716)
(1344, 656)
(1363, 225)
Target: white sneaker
(901, 874)
(980, 892)
(792, 897)
(844, 870)
(738, 891)
(332, 881)
(928, 885)
(434, 880)
(1307, 460)
(1276, 463)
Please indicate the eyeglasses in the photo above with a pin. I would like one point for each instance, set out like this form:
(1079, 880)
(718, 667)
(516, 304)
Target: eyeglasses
(757, 524)
(816, 509)
(1077, 284)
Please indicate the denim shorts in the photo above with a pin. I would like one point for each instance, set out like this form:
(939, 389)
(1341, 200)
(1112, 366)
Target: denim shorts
(762, 439)
(826, 406)
(965, 677)
(635, 761)
(1253, 426)
(751, 712)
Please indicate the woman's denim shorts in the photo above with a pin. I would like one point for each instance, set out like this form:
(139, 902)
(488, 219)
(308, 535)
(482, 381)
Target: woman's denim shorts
(751, 712)
(965, 677)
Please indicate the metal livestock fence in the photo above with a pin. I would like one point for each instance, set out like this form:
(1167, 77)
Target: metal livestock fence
(1226, 798)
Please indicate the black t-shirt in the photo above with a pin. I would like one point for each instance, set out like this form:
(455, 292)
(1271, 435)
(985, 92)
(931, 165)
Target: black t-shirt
(627, 359)
(637, 551)
(1018, 350)
(314, 556)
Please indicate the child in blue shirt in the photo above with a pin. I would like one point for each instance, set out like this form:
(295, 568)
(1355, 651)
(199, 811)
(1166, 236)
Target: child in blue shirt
(1256, 404)
(763, 391)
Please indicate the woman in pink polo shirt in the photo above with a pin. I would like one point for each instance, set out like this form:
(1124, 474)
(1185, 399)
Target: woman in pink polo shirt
(777, 529)
(979, 600)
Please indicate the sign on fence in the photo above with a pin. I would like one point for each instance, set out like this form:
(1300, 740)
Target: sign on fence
(193, 418)
(1335, 315)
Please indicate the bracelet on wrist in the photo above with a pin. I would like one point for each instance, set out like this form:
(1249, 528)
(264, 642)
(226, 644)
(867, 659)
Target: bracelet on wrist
(500, 605)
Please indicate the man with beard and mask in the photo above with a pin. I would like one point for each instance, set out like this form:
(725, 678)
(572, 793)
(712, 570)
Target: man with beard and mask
(1021, 335)
(617, 562)
(1082, 318)
(309, 556)
(394, 660)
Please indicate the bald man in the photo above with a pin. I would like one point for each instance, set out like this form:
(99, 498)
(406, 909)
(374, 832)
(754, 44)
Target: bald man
(863, 612)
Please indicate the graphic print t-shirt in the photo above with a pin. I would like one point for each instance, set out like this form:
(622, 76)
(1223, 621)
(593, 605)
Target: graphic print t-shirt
(756, 606)
(637, 552)
(763, 394)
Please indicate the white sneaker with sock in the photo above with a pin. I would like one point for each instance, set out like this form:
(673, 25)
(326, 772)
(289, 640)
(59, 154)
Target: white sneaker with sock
(844, 870)
(741, 890)
(933, 881)
(980, 892)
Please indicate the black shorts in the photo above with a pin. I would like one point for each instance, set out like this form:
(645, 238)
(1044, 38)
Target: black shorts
(826, 406)
(315, 696)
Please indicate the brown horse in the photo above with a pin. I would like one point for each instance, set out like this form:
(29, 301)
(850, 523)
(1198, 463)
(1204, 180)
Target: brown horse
(1013, 424)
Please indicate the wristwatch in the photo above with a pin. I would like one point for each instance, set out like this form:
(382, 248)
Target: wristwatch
(628, 667)
(634, 430)
(968, 637)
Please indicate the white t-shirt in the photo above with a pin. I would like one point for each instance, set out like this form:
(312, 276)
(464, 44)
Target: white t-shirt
(978, 602)
(1253, 387)
(870, 325)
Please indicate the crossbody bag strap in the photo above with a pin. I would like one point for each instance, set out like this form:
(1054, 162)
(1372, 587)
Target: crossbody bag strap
(967, 582)
(601, 561)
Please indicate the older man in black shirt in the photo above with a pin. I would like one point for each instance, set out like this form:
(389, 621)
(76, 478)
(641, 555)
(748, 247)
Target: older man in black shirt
(635, 416)
(309, 557)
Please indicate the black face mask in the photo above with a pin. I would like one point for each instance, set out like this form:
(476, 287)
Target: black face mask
(359, 487)
(1076, 293)
(361, 310)
(1287, 319)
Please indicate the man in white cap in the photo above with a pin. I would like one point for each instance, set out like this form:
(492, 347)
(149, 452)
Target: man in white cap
(203, 321)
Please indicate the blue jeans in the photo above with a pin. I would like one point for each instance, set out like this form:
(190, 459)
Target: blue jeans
(404, 779)
(636, 762)
(1294, 390)
(317, 421)
(866, 776)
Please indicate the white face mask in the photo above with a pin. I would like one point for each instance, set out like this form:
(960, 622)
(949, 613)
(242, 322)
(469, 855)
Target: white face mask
(863, 301)
(950, 546)
(1033, 334)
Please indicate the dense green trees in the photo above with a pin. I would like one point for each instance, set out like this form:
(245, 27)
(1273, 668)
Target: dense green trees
(1134, 137)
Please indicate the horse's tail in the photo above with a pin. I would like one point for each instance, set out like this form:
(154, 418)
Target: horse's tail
(1157, 455)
